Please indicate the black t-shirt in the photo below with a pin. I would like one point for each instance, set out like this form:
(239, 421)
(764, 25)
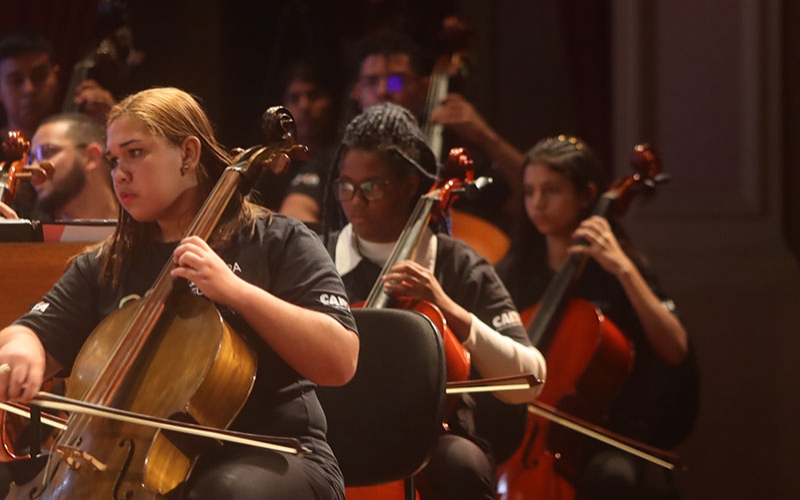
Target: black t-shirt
(658, 402)
(283, 257)
(308, 178)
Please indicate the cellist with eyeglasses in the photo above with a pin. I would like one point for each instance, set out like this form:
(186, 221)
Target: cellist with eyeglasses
(383, 170)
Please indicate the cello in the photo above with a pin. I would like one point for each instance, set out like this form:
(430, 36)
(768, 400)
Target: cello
(128, 365)
(588, 360)
(14, 438)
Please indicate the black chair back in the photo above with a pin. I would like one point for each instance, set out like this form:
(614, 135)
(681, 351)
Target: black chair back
(383, 425)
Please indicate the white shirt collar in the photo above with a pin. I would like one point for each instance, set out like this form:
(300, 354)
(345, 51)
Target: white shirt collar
(347, 255)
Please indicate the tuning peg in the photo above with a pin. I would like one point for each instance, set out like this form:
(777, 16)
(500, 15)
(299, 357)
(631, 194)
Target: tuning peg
(662, 177)
(472, 190)
(39, 174)
(299, 153)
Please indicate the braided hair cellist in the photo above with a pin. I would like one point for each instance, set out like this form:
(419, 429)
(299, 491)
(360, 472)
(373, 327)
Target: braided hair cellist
(267, 275)
(383, 167)
(655, 403)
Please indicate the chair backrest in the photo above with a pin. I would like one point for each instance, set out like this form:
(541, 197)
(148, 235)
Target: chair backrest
(384, 423)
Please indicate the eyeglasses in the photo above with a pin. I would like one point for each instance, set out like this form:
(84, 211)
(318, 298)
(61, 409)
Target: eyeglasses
(45, 151)
(395, 82)
(370, 190)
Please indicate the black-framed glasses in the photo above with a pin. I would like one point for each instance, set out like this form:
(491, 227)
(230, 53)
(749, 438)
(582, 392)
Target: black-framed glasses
(372, 190)
(46, 151)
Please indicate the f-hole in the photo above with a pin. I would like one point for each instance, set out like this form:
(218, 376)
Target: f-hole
(129, 443)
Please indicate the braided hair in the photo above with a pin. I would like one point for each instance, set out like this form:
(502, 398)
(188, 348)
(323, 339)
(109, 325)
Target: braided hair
(393, 131)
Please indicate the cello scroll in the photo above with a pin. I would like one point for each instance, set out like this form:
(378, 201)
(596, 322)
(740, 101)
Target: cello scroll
(15, 166)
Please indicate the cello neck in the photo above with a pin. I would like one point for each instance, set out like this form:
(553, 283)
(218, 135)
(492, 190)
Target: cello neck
(558, 290)
(404, 249)
(149, 312)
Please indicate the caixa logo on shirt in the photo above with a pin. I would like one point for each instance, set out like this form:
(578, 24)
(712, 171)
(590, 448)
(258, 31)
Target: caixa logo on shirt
(40, 308)
(334, 301)
(506, 319)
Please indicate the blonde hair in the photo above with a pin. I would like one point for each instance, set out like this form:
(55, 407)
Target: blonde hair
(173, 115)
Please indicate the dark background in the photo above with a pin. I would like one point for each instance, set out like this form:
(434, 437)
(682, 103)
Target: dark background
(229, 53)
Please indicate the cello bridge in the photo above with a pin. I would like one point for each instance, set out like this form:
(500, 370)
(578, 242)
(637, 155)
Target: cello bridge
(75, 457)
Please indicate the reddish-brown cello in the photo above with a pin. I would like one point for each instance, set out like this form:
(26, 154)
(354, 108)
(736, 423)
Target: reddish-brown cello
(588, 360)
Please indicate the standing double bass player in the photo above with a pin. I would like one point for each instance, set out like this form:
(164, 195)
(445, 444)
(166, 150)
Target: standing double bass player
(266, 274)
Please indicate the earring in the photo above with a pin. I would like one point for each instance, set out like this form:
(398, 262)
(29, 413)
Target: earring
(184, 169)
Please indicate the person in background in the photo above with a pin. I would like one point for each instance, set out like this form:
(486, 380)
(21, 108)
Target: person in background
(382, 168)
(29, 93)
(80, 187)
(562, 182)
(30, 86)
(311, 94)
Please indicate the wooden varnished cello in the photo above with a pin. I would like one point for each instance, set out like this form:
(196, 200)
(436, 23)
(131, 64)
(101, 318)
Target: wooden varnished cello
(588, 361)
(137, 366)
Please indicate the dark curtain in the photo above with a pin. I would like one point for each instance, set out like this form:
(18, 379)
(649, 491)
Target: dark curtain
(791, 134)
(586, 30)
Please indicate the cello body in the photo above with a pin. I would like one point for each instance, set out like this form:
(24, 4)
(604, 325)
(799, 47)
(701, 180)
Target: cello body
(594, 359)
(588, 359)
(147, 462)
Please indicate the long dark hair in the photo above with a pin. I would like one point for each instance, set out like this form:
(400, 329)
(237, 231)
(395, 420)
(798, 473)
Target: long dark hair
(572, 158)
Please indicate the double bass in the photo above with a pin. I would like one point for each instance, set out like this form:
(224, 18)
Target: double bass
(452, 68)
(588, 361)
(137, 367)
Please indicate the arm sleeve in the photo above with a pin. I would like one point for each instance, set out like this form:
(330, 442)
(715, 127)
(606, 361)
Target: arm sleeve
(66, 316)
(307, 277)
(496, 355)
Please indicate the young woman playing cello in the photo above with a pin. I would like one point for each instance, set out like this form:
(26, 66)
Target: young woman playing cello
(265, 273)
(383, 167)
(561, 183)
